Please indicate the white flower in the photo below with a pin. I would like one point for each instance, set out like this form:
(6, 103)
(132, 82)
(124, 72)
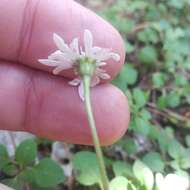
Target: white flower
(69, 56)
(172, 181)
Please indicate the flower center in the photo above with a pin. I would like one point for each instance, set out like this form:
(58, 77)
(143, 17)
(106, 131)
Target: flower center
(87, 66)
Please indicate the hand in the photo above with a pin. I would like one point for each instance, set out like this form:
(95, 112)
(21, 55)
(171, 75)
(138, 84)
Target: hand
(31, 98)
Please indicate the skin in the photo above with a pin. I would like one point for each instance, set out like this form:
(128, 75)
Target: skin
(31, 98)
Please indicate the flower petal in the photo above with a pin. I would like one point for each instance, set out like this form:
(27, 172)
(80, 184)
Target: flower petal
(61, 67)
(88, 42)
(81, 91)
(60, 43)
(101, 54)
(75, 82)
(48, 62)
(94, 81)
(104, 76)
(57, 55)
(100, 64)
(115, 56)
(75, 46)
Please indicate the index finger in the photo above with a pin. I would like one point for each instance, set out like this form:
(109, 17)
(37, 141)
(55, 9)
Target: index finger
(30, 37)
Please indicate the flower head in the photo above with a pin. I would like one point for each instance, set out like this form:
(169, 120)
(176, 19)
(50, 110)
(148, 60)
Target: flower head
(71, 56)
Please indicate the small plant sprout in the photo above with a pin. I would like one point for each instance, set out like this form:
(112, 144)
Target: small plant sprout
(87, 64)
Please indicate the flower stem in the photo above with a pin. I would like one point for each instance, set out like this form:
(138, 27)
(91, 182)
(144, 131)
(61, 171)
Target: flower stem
(104, 178)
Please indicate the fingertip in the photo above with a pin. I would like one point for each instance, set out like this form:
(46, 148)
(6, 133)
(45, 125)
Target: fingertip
(37, 34)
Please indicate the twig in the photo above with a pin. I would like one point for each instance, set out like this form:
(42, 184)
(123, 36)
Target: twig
(168, 114)
(140, 27)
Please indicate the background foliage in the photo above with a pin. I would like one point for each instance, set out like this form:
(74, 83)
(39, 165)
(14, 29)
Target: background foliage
(156, 80)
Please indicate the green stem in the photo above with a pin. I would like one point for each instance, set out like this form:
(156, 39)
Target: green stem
(104, 178)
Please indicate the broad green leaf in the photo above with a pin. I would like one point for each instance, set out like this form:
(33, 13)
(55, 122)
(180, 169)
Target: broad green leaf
(124, 24)
(26, 152)
(137, 5)
(140, 97)
(185, 160)
(165, 137)
(130, 146)
(148, 55)
(119, 183)
(122, 169)
(143, 174)
(48, 173)
(28, 175)
(180, 80)
(173, 99)
(158, 79)
(10, 170)
(175, 164)
(154, 132)
(4, 157)
(129, 48)
(148, 35)
(175, 149)
(127, 76)
(154, 161)
(187, 139)
(131, 74)
(162, 102)
(142, 126)
(86, 168)
(13, 183)
(145, 114)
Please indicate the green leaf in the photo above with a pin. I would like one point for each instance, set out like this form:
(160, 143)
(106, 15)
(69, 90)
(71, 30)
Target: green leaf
(158, 79)
(162, 102)
(122, 169)
(137, 5)
(184, 161)
(130, 146)
(154, 132)
(187, 139)
(148, 35)
(145, 114)
(175, 149)
(127, 76)
(26, 152)
(154, 161)
(119, 183)
(140, 97)
(142, 126)
(86, 168)
(10, 170)
(175, 164)
(173, 99)
(48, 173)
(4, 157)
(14, 183)
(131, 74)
(165, 137)
(148, 55)
(129, 48)
(180, 80)
(143, 174)
(28, 175)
